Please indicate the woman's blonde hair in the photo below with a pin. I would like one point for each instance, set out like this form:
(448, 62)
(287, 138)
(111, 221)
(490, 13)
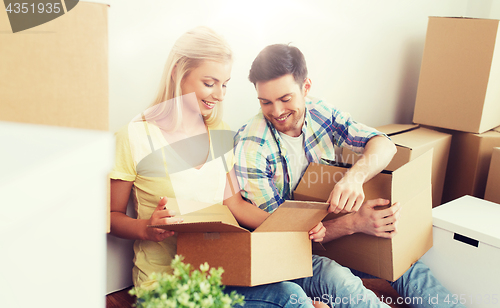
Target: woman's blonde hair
(189, 51)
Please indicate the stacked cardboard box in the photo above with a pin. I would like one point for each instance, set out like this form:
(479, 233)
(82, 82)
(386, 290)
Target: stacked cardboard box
(459, 90)
(57, 73)
(469, 162)
(459, 84)
(492, 192)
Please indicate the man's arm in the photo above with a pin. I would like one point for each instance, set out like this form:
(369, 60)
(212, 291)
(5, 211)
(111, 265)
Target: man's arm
(347, 195)
(368, 220)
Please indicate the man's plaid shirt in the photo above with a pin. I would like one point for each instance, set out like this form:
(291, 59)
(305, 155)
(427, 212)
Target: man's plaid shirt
(261, 163)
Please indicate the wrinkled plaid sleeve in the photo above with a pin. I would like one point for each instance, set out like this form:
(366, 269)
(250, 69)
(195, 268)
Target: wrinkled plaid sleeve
(351, 134)
(254, 170)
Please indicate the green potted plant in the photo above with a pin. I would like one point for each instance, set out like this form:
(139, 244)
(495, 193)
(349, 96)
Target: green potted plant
(186, 288)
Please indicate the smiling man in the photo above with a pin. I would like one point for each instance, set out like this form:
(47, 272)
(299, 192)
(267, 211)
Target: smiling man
(292, 130)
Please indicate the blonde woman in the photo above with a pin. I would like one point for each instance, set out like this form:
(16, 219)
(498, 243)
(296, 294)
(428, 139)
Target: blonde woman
(166, 157)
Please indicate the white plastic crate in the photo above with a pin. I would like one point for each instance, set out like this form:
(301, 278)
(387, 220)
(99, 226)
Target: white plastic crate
(466, 252)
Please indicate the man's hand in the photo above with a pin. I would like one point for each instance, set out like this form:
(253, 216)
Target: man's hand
(161, 216)
(317, 233)
(347, 195)
(381, 223)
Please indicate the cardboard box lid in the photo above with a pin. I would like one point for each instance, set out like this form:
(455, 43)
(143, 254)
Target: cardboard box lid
(294, 216)
(491, 133)
(471, 217)
(215, 218)
(291, 216)
(411, 135)
(392, 129)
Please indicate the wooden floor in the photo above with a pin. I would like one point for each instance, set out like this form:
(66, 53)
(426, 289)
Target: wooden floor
(380, 287)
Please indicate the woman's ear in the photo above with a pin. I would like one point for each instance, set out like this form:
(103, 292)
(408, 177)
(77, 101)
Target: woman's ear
(306, 86)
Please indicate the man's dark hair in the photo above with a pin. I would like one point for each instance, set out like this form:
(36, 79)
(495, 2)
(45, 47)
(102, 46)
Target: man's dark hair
(278, 60)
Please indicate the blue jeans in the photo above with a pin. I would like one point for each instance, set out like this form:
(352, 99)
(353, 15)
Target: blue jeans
(419, 288)
(340, 286)
(280, 294)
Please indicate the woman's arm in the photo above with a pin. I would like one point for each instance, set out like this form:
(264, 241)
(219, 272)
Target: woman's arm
(250, 215)
(136, 229)
(245, 213)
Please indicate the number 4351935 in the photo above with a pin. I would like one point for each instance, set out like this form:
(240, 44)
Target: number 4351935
(40, 8)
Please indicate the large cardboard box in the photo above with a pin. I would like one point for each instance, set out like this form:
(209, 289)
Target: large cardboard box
(466, 251)
(492, 192)
(57, 73)
(468, 164)
(279, 249)
(53, 188)
(385, 258)
(411, 142)
(459, 84)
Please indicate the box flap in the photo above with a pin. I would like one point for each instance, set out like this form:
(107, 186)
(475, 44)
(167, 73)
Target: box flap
(294, 216)
(213, 213)
(471, 217)
(318, 181)
(216, 218)
(417, 137)
(412, 178)
(393, 129)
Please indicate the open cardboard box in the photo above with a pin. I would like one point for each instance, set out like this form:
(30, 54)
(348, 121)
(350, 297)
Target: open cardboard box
(410, 185)
(212, 235)
(412, 141)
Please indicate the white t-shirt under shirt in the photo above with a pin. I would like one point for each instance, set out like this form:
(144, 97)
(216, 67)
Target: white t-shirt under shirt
(296, 156)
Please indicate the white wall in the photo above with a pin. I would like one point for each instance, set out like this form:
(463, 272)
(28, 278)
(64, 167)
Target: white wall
(363, 56)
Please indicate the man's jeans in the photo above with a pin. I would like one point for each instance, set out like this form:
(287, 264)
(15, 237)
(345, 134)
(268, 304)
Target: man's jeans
(281, 294)
(338, 286)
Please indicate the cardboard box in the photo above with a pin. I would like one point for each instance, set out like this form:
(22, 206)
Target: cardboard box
(57, 73)
(468, 164)
(212, 235)
(466, 251)
(53, 188)
(411, 142)
(385, 258)
(459, 84)
(492, 192)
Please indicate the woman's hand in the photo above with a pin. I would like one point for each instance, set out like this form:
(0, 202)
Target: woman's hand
(161, 216)
(317, 233)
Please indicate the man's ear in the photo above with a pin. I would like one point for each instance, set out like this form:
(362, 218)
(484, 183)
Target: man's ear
(306, 86)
